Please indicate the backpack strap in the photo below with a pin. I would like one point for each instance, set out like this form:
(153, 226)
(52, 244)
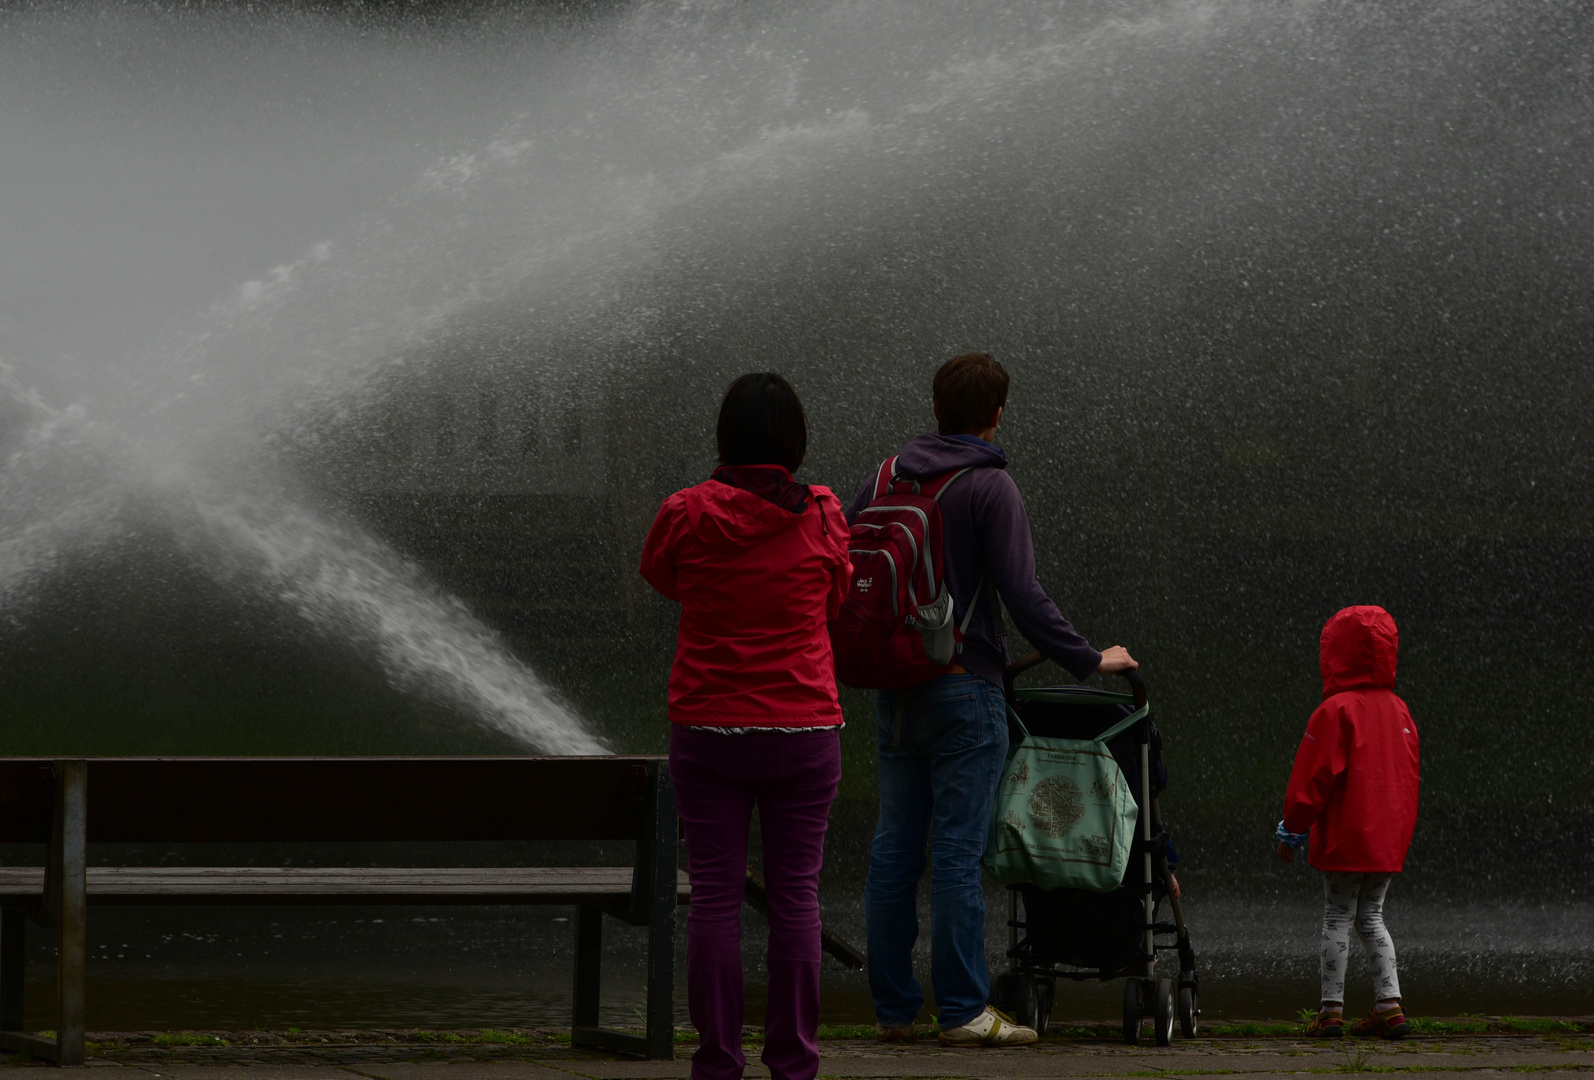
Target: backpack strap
(888, 477)
(968, 612)
(887, 473)
(941, 483)
(974, 602)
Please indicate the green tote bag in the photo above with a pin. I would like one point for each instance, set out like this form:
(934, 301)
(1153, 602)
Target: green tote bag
(1065, 816)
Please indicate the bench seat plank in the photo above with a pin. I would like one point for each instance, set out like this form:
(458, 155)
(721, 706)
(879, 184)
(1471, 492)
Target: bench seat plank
(339, 884)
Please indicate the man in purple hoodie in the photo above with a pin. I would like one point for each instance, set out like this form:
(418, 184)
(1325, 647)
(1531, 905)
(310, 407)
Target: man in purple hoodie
(942, 743)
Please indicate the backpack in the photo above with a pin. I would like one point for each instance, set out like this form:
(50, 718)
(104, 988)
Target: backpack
(895, 627)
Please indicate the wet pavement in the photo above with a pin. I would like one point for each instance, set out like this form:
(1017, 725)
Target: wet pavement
(545, 1055)
(275, 969)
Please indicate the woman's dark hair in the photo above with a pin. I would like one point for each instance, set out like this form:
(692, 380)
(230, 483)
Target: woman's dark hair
(762, 423)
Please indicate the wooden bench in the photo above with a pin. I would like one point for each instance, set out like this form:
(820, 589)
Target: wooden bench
(69, 804)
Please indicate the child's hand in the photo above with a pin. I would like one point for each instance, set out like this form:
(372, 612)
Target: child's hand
(1288, 842)
(1173, 886)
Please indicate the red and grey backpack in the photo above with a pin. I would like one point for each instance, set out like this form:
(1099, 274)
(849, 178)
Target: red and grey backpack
(895, 627)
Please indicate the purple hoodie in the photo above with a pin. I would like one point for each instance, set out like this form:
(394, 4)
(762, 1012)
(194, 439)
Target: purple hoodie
(987, 533)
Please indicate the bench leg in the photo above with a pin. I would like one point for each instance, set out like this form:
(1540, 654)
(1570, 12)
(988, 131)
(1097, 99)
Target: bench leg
(652, 904)
(661, 985)
(661, 921)
(71, 918)
(585, 1032)
(13, 961)
(589, 953)
(13, 967)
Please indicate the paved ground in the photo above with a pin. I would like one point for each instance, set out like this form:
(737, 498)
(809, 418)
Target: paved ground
(540, 1056)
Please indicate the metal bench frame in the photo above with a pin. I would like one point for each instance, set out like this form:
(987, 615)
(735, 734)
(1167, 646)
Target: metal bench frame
(178, 800)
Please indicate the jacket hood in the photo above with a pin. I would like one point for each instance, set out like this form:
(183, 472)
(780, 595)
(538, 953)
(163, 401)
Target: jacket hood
(931, 455)
(729, 519)
(1358, 650)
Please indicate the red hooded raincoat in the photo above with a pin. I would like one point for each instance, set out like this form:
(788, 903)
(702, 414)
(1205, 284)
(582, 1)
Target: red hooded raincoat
(1354, 784)
(756, 583)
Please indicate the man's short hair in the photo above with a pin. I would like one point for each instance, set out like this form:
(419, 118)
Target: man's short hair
(762, 423)
(968, 391)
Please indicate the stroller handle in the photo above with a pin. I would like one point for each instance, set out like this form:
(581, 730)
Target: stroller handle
(1017, 668)
(1137, 685)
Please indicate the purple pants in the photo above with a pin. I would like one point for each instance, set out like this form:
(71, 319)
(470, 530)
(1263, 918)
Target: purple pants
(718, 778)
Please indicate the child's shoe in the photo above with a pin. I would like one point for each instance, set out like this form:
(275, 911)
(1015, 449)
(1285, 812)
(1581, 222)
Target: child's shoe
(1388, 1023)
(1327, 1024)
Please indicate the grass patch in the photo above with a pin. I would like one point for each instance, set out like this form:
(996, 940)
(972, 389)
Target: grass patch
(1541, 1025)
(1478, 1025)
(489, 1036)
(503, 1038)
(1251, 1029)
(187, 1038)
(1356, 1061)
(1420, 1025)
(1423, 1025)
(846, 1031)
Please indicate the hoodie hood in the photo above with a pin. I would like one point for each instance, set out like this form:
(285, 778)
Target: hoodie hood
(1358, 650)
(771, 482)
(930, 455)
(730, 519)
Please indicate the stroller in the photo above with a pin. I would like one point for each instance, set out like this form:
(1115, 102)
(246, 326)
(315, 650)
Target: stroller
(1082, 935)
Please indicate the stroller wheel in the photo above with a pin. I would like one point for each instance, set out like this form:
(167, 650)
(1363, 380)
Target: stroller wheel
(1189, 1010)
(1024, 1000)
(1045, 993)
(1132, 1011)
(1162, 1016)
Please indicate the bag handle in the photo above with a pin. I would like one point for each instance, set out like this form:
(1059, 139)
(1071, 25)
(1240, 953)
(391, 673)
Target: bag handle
(1124, 725)
(1107, 736)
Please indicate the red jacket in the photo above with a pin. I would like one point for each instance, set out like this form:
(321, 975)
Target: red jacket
(756, 583)
(1354, 784)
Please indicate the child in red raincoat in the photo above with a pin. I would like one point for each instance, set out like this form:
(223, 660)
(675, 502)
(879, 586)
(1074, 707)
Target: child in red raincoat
(1354, 790)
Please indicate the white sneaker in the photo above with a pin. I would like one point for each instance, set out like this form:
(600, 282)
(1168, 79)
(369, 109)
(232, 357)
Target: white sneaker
(990, 1028)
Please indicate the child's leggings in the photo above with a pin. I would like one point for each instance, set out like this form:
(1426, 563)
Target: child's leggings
(1358, 899)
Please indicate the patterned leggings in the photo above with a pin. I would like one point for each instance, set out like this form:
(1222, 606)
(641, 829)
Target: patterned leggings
(1358, 899)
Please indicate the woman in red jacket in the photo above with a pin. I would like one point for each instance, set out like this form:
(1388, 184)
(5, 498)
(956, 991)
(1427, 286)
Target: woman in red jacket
(758, 563)
(1354, 789)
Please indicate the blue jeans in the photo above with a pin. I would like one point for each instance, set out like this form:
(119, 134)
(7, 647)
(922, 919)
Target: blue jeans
(937, 780)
